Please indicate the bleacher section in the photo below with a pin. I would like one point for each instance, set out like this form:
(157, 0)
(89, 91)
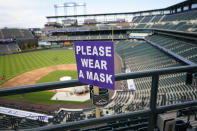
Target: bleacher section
(15, 33)
(3, 48)
(11, 47)
(182, 48)
(137, 123)
(85, 28)
(133, 124)
(140, 56)
(185, 21)
(11, 39)
(13, 123)
(85, 37)
(120, 102)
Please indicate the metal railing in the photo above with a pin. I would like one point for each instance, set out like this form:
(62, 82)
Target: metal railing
(151, 112)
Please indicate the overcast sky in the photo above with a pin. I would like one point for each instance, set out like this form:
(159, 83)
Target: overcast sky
(32, 13)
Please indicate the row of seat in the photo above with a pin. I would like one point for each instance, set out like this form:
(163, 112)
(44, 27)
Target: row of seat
(132, 124)
(187, 15)
(12, 122)
(71, 116)
(139, 56)
(11, 47)
(180, 21)
(84, 28)
(15, 33)
(84, 37)
(185, 49)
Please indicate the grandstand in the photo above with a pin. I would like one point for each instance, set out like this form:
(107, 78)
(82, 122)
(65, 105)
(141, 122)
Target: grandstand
(140, 56)
(15, 40)
(162, 65)
(184, 21)
(15, 33)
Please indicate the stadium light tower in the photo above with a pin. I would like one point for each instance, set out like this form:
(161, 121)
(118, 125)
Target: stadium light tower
(56, 8)
(67, 5)
(82, 5)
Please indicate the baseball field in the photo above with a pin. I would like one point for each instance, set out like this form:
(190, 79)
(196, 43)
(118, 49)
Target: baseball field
(14, 65)
(37, 67)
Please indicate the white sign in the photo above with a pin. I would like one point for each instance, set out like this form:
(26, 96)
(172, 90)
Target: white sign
(130, 82)
(25, 114)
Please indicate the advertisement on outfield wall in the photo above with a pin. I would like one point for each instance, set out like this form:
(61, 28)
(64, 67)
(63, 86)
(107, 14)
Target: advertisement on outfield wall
(95, 63)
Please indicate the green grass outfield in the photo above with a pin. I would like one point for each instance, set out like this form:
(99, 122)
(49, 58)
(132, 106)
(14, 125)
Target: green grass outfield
(56, 75)
(14, 65)
(44, 96)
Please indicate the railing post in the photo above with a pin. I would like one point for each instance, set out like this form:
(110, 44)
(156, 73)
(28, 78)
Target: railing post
(153, 102)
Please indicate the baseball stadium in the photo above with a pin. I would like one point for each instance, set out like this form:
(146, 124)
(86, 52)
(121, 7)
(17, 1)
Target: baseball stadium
(153, 63)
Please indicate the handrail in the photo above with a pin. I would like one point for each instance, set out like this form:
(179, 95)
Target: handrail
(90, 122)
(152, 112)
(72, 83)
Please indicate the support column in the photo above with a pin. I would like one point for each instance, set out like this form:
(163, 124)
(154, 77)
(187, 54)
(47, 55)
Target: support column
(96, 92)
(153, 102)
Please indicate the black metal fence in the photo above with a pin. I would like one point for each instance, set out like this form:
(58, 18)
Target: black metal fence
(151, 112)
